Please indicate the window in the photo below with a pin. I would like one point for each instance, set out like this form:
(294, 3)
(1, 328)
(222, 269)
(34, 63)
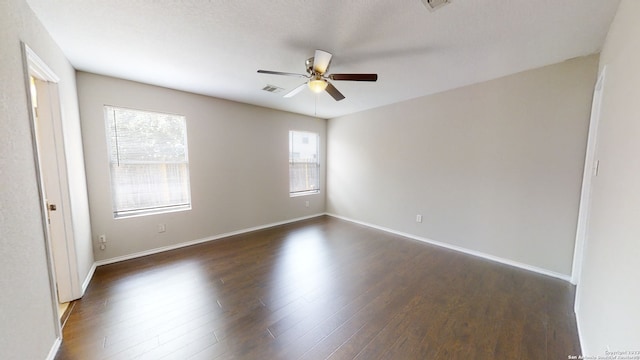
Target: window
(304, 163)
(149, 163)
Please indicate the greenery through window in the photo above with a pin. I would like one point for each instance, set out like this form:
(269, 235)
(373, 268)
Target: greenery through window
(149, 161)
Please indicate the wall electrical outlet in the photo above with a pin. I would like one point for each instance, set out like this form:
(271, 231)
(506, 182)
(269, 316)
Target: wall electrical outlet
(103, 246)
(162, 228)
(306, 203)
(418, 218)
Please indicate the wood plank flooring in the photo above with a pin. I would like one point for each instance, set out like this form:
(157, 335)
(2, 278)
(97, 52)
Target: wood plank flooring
(319, 289)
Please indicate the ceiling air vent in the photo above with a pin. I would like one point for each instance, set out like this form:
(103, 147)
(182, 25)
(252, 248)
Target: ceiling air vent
(433, 5)
(272, 88)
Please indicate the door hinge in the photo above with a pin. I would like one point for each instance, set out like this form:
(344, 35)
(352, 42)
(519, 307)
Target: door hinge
(596, 167)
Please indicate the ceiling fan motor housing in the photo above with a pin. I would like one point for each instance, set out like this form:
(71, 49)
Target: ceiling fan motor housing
(309, 64)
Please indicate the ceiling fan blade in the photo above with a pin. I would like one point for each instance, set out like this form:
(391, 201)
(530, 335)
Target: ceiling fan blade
(337, 95)
(321, 61)
(281, 73)
(354, 77)
(296, 90)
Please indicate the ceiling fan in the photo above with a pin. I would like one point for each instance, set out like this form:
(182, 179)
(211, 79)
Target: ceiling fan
(317, 76)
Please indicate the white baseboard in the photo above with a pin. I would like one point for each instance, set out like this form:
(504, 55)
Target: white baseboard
(198, 241)
(88, 278)
(582, 351)
(577, 300)
(54, 349)
(498, 259)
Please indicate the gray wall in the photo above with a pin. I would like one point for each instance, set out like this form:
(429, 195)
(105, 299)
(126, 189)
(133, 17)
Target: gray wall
(27, 320)
(238, 161)
(609, 296)
(494, 167)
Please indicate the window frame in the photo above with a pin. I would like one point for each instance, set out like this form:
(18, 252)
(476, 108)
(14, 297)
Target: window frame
(145, 210)
(317, 163)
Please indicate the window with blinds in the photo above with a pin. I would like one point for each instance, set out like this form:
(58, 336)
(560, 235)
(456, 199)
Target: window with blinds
(149, 162)
(304, 163)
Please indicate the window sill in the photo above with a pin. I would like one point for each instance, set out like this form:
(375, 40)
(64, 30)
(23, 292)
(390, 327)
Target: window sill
(304, 193)
(139, 213)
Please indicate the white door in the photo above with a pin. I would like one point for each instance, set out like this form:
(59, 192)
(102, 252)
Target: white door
(591, 164)
(48, 136)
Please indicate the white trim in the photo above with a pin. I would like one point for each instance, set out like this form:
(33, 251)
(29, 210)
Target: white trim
(54, 349)
(39, 67)
(461, 249)
(587, 177)
(32, 64)
(199, 241)
(582, 352)
(585, 199)
(87, 280)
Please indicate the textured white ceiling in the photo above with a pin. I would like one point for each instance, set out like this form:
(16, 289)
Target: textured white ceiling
(214, 47)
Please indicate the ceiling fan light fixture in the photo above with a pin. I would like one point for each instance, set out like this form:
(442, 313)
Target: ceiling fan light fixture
(317, 85)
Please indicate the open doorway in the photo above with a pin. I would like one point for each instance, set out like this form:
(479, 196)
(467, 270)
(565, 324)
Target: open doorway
(48, 142)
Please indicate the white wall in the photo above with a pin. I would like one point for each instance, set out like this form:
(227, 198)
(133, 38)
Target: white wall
(494, 167)
(238, 163)
(27, 319)
(609, 301)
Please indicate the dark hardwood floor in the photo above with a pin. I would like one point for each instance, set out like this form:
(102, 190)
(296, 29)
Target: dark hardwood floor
(319, 289)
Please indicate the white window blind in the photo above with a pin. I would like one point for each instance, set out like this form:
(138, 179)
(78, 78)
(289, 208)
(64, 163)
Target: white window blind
(304, 162)
(149, 162)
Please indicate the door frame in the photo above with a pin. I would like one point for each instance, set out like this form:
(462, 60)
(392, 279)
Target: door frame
(590, 170)
(34, 66)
